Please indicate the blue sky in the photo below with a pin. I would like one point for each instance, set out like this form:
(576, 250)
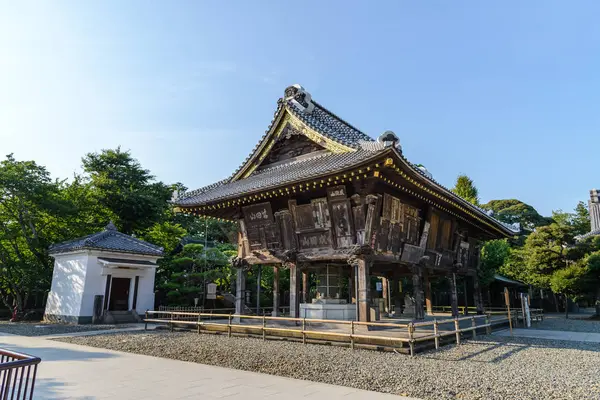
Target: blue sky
(506, 92)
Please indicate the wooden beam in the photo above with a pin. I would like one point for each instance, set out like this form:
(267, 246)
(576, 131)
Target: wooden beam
(294, 290)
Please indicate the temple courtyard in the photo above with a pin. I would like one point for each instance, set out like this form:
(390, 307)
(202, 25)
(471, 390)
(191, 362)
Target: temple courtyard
(125, 363)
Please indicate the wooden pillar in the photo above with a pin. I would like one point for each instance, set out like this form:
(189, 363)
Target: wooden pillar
(418, 291)
(453, 295)
(305, 288)
(466, 294)
(477, 297)
(364, 295)
(240, 291)
(294, 291)
(275, 312)
(351, 287)
(258, 287)
(427, 285)
(397, 293)
(385, 294)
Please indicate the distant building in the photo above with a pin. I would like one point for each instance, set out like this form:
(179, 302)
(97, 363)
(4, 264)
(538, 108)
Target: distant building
(594, 205)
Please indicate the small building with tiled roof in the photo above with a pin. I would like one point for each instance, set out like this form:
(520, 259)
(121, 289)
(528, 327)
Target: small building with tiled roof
(104, 277)
(316, 194)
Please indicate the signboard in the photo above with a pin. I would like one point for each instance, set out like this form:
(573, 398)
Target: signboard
(336, 193)
(314, 240)
(258, 214)
(211, 291)
(525, 308)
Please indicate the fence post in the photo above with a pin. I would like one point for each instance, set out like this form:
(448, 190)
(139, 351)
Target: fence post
(146, 321)
(474, 325)
(303, 330)
(263, 327)
(436, 333)
(457, 331)
(411, 342)
(199, 321)
(229, 327)
(171, 322)
(352, 334)
(488, 328)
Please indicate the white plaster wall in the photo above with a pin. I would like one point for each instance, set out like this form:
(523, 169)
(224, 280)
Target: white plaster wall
(95, 284)
(68, 282)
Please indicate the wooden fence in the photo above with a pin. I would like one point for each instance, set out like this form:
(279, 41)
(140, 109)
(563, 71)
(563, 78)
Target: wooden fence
(353, 333)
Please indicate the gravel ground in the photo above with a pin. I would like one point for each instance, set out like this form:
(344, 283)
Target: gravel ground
(42, 329)
(489, 368)
(558, 322)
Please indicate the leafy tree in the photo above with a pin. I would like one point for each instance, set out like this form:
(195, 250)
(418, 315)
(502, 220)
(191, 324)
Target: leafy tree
(189, 271)
(165, 234)
(466, 189)
(31, 208)
(546, 251)
(579, 220)
(515, 211)
(568, 281)
(494, 254)
(127, 190)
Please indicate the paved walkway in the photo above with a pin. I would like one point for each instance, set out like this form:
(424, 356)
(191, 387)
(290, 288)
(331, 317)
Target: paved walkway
(552, 335)
(71, 371)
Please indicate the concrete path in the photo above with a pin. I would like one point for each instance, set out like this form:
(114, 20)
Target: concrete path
(70, 371)
(552, 335)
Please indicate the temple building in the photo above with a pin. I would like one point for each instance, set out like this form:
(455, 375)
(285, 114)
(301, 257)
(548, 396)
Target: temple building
(318, 196)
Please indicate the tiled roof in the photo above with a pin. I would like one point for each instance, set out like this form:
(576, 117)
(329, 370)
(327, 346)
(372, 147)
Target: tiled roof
(325, 122)
(587, 235)
(109, 239)
(280, 175)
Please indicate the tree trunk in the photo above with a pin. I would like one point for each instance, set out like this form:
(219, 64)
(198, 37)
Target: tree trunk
(555, 302)
(566, 307)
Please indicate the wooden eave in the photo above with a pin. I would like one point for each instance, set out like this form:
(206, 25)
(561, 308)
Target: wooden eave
(389, 167)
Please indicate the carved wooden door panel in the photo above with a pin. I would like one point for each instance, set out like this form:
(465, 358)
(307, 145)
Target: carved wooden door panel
(342, 223)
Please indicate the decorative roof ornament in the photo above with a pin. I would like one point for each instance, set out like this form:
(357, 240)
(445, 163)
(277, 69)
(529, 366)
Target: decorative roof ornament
(424, 170)
(110, 227)
(299, 97)
(390, 139)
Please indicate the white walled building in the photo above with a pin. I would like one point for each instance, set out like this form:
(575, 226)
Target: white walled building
(105, 277)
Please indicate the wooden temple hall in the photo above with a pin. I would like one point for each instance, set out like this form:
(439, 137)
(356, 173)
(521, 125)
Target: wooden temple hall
(334, 206)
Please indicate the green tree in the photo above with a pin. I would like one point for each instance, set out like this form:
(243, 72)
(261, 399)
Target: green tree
(466, 189)
(31, 209)
(569, 281)
(515, 211)
(186, 276)
(129, 191)
(546, 251)
(579, 219)
(494, 254)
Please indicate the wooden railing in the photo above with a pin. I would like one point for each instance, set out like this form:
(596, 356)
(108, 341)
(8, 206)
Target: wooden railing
(353, 333)
(17, 375)
(199, 309)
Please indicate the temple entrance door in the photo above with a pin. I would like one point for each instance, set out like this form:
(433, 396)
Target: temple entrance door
(119, 294)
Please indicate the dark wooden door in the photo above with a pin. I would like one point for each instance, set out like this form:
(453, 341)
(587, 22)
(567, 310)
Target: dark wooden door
(119, 294)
